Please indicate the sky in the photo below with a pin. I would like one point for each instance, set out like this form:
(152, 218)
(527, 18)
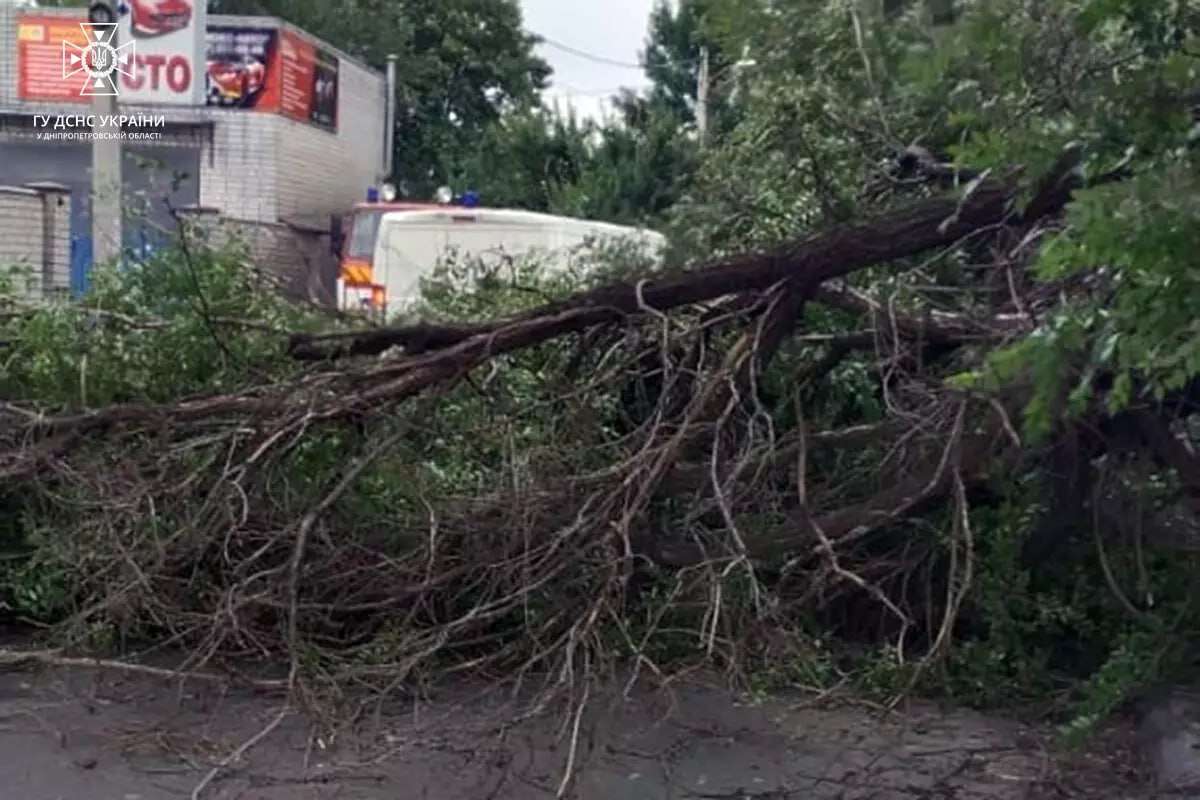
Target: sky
(611, 30)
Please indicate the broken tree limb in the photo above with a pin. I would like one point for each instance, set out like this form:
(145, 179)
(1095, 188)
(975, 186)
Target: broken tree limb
(909, 231)
(935, 327)
(1056, 186)
(973, 455)
(1169, 450)
(906, 232)
(412, 339)
(692, 476)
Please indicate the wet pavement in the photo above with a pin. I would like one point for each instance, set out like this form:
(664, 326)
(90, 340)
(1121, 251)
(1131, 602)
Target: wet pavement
(86, 734)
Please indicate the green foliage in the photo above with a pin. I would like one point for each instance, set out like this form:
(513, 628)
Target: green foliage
(1010, 663)
(541, 152)
(1146, 233)
(32, 582)
(1123, 71)
(1012, 83)
(1131, 665)
(1061, 634)
(497, 285)
(636, 168)
(626, 173)
(633, 166)
(177, 324)
(183, 322)
(18, 280)
(679, 34)
(479, 434)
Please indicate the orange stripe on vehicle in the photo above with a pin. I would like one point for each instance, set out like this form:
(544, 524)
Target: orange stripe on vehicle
(357, 272)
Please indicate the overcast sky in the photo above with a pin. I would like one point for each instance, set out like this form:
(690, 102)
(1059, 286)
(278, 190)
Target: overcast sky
(614, 30)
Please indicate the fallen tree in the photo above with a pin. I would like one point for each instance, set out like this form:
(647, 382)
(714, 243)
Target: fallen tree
(604, 514)
(849, 434)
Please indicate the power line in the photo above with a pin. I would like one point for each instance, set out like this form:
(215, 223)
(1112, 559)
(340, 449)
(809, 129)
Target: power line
(566, 88)
(641, 66)
(589, 56)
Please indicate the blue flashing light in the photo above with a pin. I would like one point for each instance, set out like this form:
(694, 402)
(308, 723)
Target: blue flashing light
(372, 194)
(470, 198)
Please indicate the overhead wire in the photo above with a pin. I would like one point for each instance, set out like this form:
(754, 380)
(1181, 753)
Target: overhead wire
(613, 62)
(566, 48)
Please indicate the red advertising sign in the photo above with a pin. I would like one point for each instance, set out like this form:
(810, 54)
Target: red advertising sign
(169, 35)
(243, 67)
(309, 81)
(40, 49)
(272, 70)
(261, 68)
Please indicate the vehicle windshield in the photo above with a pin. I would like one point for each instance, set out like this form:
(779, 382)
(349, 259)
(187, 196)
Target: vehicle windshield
(362, 237)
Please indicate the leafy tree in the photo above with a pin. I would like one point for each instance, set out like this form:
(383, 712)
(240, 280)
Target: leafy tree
(843, 101)
(678, 38)
(635, 166)
(638, 166)
(627, 170)
(525, 158)
(366, 29)
(472, 61)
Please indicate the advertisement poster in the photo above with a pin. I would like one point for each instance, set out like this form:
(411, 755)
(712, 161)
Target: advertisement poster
(40, 49)
(325, 91)
(309, 81)
(250, 67)
(169, 37)
(242, 69)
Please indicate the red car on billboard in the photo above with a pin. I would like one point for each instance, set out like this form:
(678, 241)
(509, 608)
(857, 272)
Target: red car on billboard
(158, 17)
(232, 82)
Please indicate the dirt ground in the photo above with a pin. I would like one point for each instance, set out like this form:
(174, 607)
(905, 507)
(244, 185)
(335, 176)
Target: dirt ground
(90, 734)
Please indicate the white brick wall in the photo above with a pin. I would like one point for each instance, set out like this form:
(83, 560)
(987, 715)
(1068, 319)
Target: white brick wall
(56, 210)
(21, 242)
(239, 171)
(261, 167)
(8, 54)
(301, 259)
(35, 235)
(267, 168)
(321, 173)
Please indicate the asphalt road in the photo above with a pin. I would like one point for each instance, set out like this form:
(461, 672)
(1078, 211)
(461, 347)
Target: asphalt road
(87, 734)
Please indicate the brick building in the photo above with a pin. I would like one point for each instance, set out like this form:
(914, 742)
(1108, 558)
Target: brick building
(274, 179)
(35, 237)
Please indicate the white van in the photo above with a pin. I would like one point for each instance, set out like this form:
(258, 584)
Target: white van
(411, 244)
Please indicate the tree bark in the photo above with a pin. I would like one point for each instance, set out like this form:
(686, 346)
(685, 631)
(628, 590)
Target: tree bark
(910, 231)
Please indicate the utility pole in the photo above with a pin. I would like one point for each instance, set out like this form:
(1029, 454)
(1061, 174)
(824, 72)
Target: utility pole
(389, 134)
(705, 82)
(107, 195)
(702, 98)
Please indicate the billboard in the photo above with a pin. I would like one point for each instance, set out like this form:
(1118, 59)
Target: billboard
(309, 80)
(169, 40)
(241, 68)
(266, 69)
(41, 41)
(259, 68)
